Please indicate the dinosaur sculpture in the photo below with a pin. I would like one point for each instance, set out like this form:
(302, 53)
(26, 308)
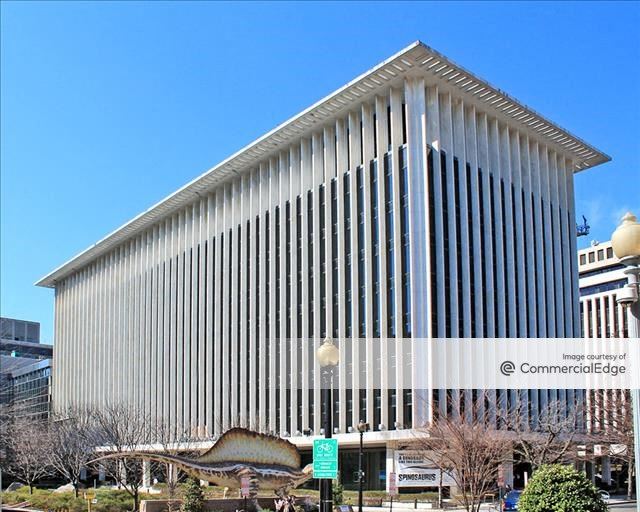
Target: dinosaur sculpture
(269, 462)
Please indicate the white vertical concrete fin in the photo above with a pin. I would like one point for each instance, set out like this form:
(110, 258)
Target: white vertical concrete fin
(316, 334)
(342, 165)
(447, 150)
(418, 233)
(355, 159)
(306, 173)
(295, 345)
(396, 108)
(382, 138)
(368, 141)
(282, 340)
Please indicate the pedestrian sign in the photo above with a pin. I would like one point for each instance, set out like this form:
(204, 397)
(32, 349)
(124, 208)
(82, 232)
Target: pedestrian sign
(325, 458)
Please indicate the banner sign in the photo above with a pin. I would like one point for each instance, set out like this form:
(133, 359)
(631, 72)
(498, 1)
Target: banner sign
(414, 470)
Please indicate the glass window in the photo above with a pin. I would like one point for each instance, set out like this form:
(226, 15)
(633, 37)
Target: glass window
(300, 266)
(408, 408)
(432, 240)
(361, 253)
(288, 249)
(323, 265)
(278, 277)
(445, 237)
(507, 317)
(310, 268)
(404, 230)
(603, 287)
(458, 239)
(334, 255)
(33, 332)
(267, 307)
(347, 253)
(6, 328)
(375, 242)
(390, 242)
(475, 279)
(267, 279)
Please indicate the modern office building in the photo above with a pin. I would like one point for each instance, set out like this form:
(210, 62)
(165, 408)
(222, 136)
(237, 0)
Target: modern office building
(25, 368)
(415, 201)
(28, 389)
(19, 330)
(601, 276)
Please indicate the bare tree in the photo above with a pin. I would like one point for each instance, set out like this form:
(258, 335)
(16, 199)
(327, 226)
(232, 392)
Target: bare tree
(610, 422)
(173, 443)
(27, 445)
(121, 429)
(71, 436)
(6, 421)
(548, 435)
(469, 449)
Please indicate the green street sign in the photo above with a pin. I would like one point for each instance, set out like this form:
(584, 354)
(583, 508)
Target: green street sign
(325, 458)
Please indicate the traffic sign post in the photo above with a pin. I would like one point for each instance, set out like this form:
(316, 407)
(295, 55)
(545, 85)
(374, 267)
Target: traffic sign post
(393, 489)
(90, 496)
(244, 490)
(325, 458)
(393, 484)
(500, 481)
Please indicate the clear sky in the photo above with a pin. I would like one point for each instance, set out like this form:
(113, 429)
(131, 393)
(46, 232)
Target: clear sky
(109, 107)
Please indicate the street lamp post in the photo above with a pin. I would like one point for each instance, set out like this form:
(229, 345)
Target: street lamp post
(362, 428)
(328, 357)
(625, 242)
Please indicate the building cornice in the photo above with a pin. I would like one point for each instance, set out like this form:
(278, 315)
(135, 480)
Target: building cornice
(416, 60)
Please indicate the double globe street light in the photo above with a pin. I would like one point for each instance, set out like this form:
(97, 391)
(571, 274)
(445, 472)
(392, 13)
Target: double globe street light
(625, 242)
(328, 357)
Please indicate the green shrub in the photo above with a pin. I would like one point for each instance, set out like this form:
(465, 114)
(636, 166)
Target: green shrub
(338, 493)
(109, 500)
(556, 488)
(193, 499)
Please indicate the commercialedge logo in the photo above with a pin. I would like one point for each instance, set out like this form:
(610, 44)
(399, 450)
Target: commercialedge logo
(577, 369)
(507, 368)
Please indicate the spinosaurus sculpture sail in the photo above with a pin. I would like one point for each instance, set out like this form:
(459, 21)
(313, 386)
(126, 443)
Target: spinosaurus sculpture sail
(269, 462)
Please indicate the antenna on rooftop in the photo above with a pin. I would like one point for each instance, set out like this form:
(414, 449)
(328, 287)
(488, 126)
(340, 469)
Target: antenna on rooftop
(583, 229)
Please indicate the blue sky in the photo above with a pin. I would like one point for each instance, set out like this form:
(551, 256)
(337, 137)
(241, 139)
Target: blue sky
(109, 107)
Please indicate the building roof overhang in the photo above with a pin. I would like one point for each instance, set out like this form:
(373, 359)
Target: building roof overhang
(416, 59)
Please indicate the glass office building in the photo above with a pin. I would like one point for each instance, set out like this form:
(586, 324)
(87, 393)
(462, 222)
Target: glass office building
(25, 369)
(417, 200)
(601, 276)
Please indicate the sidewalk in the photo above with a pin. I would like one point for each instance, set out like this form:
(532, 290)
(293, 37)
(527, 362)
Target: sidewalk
(488, 507)
(402, 507)
(619, 499)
